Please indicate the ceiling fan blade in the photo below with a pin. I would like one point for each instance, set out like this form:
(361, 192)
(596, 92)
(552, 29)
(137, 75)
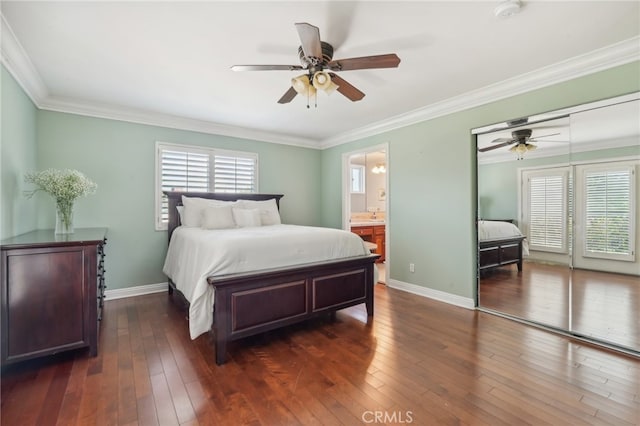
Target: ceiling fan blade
(492, 147)
(544, 136)
(346, 89)
(390, 60)
(309, 39)
(266, 67)
(501, 140)
(288, 96)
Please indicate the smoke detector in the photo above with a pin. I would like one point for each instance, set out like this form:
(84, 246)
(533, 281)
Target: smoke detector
(507, 8)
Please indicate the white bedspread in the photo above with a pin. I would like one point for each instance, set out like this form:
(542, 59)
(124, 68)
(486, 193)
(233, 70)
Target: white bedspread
(195, 254)
(496, 230)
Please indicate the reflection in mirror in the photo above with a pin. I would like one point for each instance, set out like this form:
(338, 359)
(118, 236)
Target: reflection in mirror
(605, 303)
(557, 223)
(524, 225)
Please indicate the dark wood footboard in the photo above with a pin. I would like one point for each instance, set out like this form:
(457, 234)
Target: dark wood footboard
(252, 303)
(496, 253)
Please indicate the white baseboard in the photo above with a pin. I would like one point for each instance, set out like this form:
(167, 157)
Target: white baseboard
(140, 290)
(441, 296)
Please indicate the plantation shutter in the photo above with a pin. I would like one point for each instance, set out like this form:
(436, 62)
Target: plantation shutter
(608, 213)
(182, 170)
(197, 169)
(547, 212)
(185, 171)
(234, 173)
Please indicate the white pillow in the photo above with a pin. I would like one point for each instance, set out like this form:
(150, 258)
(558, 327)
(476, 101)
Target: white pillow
(220, 217)
(245, 218)
(193, 206)
(269, 214)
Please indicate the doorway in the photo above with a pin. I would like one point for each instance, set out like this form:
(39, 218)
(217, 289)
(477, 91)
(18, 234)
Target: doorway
(365, 200)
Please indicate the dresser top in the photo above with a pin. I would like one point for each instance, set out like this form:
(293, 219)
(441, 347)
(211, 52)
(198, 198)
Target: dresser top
(47, 238)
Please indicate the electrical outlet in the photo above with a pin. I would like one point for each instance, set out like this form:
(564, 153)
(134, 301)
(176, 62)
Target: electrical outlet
(412, 267)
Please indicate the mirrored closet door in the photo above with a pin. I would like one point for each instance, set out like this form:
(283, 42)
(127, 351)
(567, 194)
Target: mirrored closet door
(558, 223)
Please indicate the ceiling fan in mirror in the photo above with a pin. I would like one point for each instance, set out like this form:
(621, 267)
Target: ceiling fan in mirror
(316, 57)
(521, 142)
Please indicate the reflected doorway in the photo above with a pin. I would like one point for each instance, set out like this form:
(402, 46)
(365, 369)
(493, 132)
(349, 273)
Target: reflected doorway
(365, 201)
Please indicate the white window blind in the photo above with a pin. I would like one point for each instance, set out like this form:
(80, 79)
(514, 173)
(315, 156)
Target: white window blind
(196, 169)
(609, 213)
(234, 173)
(185, 171)
(547, 211)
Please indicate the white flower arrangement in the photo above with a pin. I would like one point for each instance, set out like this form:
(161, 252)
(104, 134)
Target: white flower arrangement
(63, 185)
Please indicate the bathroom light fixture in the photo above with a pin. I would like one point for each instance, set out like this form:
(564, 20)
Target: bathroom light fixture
(379, 168)
(507, 8)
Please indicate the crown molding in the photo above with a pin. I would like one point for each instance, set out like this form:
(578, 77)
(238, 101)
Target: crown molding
(132, 115)
(19, 65)
(621, 53)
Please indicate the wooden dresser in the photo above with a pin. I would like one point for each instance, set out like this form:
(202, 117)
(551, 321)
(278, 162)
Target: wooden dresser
(52, 292)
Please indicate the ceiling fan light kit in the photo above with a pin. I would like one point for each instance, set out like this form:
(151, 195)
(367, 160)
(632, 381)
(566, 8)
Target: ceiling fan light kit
(322, 81)
(316, 56)
(520, 139)
(521, 148)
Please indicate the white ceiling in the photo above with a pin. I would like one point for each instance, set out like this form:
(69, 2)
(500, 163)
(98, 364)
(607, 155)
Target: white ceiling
(169, 62)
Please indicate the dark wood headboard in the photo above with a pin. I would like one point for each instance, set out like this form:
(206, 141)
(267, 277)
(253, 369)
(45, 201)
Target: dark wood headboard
(175, 200)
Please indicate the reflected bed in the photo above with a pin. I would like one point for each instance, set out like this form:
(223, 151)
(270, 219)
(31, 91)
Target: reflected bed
(500, 243)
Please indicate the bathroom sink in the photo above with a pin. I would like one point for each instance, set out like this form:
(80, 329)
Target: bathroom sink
(361, 222)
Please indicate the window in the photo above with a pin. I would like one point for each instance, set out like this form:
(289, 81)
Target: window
(197, 169)
(609, 212)
(546, 209)
(357, 179)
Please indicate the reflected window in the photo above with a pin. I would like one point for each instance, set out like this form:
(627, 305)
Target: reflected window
(608, 213)
(357, 179)
(546, 209)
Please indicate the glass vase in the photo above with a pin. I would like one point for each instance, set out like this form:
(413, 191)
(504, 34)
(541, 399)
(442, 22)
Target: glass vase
(64, 218)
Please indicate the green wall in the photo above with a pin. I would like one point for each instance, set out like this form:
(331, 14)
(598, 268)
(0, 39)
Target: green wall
(18, 155)
(498, 182)
(120, 158)
(432, 176)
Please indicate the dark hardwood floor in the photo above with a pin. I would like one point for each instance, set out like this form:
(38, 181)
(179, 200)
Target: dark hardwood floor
(418, 361)
(593, 304)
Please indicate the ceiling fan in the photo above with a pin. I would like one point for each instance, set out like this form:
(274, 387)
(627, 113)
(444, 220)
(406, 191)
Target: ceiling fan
(520, 139)
(316, 57)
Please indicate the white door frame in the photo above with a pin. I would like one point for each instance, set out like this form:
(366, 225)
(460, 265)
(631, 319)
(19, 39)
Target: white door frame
(346, 195)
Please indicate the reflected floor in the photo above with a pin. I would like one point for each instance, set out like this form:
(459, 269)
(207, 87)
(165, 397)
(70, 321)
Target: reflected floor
(604, 306)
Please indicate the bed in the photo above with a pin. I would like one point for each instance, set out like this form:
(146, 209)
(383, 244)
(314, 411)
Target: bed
(500, 243)
(264, 288)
